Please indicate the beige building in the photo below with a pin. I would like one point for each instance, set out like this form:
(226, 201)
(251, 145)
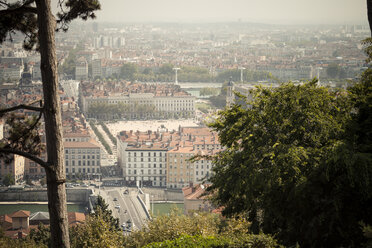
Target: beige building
(180, 171)
(16, 168)
(82, 158)
(33, 170)
(20, 219)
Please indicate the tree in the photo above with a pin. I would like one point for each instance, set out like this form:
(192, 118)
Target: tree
(290, 168)
(101, 210)
(128, 71)
(369, 14)
(8, 180)
(35, 20)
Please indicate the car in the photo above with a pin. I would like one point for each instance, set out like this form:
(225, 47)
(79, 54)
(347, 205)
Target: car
(117, 206)
(115, 199)
(126, 192)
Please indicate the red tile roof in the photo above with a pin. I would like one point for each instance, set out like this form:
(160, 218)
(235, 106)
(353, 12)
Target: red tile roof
(20, 214)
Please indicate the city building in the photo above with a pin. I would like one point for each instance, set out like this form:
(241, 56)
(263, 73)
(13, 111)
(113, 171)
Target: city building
(137, 101)
(81, 69)
(15, 167)
(163, 158)
(82, 158)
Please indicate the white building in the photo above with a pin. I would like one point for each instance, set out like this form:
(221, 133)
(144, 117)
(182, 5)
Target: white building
(183, 105)
(145, 166)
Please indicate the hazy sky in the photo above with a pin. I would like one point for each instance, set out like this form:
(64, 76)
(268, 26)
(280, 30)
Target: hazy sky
(267, 11)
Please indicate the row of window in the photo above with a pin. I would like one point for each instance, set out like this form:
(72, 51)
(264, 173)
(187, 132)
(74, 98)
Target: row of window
(83, 170)
(83, 163)
(80, 151)
(144, 153)
(148, 160)
(82, 156)
(142, 166)
(141, 172)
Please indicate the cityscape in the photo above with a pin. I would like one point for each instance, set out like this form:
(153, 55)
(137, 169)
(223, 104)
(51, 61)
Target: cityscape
(170, 119)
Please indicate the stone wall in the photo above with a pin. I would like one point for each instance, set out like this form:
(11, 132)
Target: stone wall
(73, 195)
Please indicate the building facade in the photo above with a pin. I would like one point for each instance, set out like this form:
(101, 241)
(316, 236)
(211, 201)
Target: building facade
(82, 158)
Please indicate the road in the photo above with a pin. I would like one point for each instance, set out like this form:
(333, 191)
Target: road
(130, 207)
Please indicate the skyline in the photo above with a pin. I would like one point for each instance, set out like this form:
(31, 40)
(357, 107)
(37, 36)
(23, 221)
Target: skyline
(262, 11)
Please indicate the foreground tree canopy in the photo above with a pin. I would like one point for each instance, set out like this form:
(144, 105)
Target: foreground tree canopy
(298, 163)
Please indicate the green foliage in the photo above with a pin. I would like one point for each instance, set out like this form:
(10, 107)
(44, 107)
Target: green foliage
(8, 180)
(290, 168)
(19, 243)
(248, 241)
(209, 91)
(41, 235)
(335, 71)
(248, 76)
(119, 110)
(96, 232)
(107, 131)
(23, 135)
(100, 137)
(21, 16)
(218, 101)
(101, 210)
(177, 230)
(128, 71)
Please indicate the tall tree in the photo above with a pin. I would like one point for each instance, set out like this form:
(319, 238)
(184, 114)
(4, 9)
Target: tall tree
(293, 164)
(369, 14)
(35, 20)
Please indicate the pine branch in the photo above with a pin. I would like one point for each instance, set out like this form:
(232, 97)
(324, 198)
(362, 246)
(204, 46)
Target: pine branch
(41, 162)
(20, 10)
(22, 106)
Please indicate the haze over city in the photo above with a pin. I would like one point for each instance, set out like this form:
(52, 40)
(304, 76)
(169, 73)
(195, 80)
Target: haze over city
(159, 122)
(263, 11)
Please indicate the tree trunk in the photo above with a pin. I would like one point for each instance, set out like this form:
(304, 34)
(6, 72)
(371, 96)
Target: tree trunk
(53, 127)
(369, 13)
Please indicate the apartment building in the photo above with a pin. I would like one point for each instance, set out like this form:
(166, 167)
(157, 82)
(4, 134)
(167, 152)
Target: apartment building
(146, 166)
(163, 158)
(81, 69)
(83, 158)
(14, 167)
(180, 170)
